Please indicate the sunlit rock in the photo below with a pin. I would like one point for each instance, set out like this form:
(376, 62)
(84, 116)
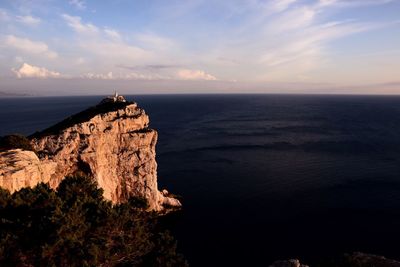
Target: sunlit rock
(110, 143)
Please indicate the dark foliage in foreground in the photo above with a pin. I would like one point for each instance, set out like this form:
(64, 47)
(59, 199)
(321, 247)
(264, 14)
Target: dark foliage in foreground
(14, 141)
(75, 226)
(358, 260)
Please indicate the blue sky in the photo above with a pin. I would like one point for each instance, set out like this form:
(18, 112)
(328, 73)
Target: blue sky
(195, 46)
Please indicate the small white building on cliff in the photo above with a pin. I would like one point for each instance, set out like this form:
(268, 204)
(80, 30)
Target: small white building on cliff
(114, 99)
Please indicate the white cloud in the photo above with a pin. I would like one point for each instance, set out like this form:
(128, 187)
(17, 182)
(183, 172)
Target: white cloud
(186, 74)
(29, 46)
(79, 4)
(127, 76)
(29, 71)
(28, 20)
(76, 24)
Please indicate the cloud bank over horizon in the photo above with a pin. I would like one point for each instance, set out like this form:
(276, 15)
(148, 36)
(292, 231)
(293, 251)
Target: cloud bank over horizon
(258, 44)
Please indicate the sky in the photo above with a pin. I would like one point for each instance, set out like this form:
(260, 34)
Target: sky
(90, 47)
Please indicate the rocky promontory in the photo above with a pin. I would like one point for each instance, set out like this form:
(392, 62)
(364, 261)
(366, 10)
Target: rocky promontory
(111, 142)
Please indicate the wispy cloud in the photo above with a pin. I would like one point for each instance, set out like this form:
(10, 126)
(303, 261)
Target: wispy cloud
(28, 46)
(290, 39)
(113, 34)
(176, 74)
(79, 4)
(281, 5)
(106, 47)
(353, 3)
(278, 40)
(28, 20)
(134, 76)
(76, 24)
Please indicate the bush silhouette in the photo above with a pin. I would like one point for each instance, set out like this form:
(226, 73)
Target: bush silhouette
(15, 141)
(75, 226)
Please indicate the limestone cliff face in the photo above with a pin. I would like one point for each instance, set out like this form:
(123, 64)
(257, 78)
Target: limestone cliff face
(116, 148)
(19, 168)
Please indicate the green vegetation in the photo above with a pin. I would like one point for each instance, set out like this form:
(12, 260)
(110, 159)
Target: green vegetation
(81, 117)
(14, 141)
(75, 226)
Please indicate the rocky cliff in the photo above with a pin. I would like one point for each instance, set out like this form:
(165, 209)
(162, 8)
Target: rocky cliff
(111, 143)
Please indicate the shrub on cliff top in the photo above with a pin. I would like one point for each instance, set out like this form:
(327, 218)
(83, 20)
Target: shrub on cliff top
(76, 226)
(15, 141)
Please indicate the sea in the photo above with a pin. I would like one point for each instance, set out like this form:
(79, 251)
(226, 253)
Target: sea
(264, 177)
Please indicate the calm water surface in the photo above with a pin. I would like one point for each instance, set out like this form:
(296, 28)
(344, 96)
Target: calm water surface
(265, 177)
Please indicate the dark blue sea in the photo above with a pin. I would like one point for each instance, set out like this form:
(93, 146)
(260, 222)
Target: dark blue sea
(265, 177)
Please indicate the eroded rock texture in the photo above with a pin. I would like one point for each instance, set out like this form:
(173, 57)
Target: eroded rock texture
(115, 147)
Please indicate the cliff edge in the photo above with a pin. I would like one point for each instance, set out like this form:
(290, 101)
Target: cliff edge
(110, 142)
